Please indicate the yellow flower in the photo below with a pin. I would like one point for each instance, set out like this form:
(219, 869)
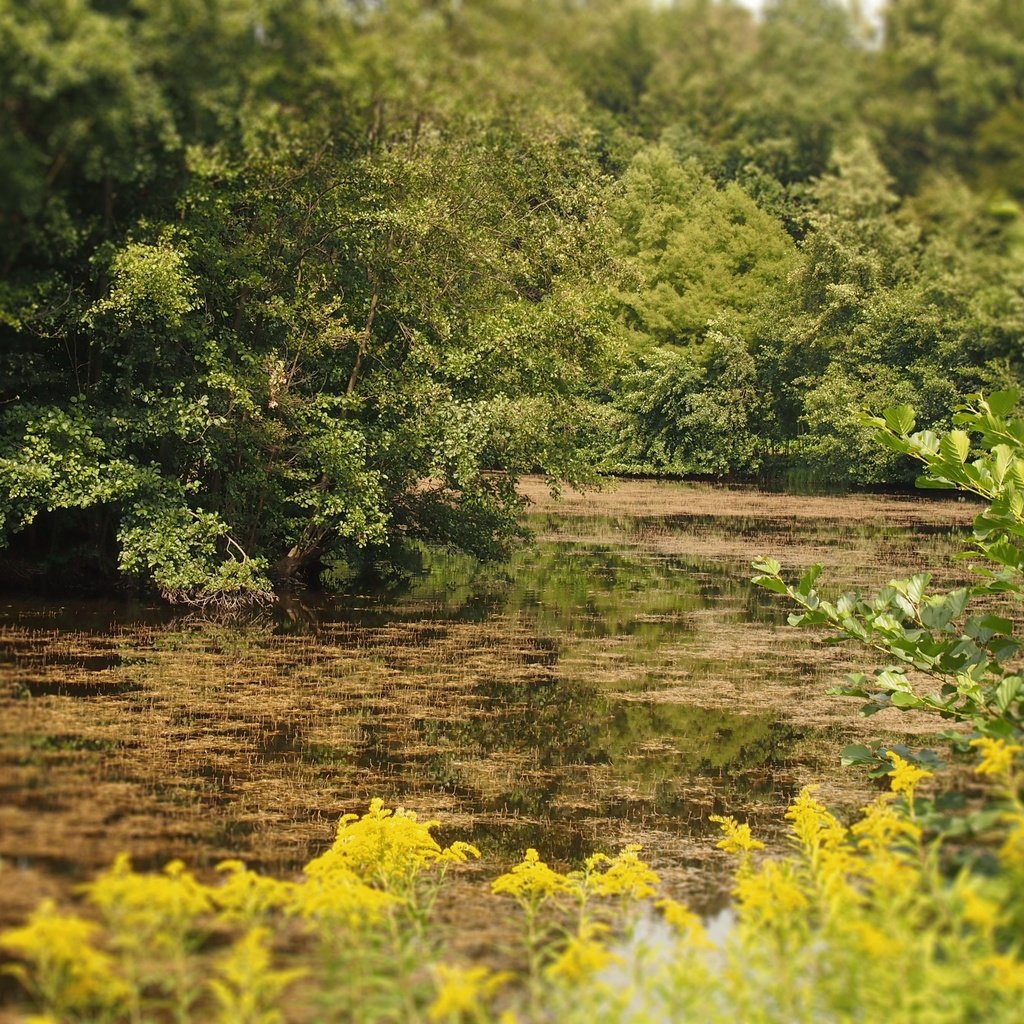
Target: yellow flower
(1007, 972)
(983, 914)
(881, 830)
(245, 895)
(1012, 852)
(686, 923)
(246, 989)
(814, 826)
(530, 881)
(459, 853)
(997, 756)
(905, 776)
(68, 970)
(888, 843)
(331, 894)
(583, 957)
(464, 990)
(738, 838)
(873, 941)
(769, 894)
(390, 847)
(154, 908)
(625, 875)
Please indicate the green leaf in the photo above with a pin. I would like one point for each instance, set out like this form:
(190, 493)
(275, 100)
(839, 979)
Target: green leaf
(956, 445)
(1002, 403)
(903, 699)
(933, 483)
(900, 420)
(915, 586)
(996, 624)
(857, 753)
(772, 583)
(895, 681)
(808, 580)
(1006, 692)
(768, 566)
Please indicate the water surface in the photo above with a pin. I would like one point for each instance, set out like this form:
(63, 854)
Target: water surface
(618, 681)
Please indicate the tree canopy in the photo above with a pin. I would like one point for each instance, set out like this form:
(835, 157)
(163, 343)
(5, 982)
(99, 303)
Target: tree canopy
(284, 284)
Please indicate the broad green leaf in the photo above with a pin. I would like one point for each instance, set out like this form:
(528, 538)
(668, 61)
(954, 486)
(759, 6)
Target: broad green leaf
(900, 420)
(1002, 403)
(904, 699)
(857, 753)
(956, 445)
(808, 579)
(894, 681)
(768, 566)
(1007, 691)
(933, 483)
(772, 583)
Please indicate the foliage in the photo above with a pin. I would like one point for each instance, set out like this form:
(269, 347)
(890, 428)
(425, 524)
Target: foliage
(687, 412)
(285, 284)
(944, 656)
(317, 287)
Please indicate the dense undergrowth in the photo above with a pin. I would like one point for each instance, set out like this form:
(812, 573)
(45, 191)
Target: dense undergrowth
(868, 921)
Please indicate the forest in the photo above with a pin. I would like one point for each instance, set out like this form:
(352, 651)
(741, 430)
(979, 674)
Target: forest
(286, 284)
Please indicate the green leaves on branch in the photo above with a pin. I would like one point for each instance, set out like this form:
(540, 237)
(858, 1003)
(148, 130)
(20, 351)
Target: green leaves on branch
(940, 657)
(990, 467)
(941, 660)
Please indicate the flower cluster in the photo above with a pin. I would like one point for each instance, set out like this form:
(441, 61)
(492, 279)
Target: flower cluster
(811, 935)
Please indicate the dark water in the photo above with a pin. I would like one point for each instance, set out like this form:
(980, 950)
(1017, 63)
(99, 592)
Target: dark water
(618, 681)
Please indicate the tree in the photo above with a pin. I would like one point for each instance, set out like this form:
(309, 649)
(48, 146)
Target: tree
(309, 338)
(699, 254)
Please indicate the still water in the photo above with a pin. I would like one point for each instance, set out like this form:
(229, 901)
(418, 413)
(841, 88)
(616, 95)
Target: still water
(619, 680)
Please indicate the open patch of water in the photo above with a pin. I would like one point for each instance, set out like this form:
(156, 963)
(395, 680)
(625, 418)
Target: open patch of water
(618, 681)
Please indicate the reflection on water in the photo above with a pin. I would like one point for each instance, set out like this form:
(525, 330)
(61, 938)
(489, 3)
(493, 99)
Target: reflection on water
(618, 681)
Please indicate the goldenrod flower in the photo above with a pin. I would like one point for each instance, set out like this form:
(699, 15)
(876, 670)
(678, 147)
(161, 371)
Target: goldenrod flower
(905, 776)
(873, 941)
(245, 895)
(881, 829)
(1007, 972)
(68, 970)
(814, 826)
(583, 957)
(332, 894)
(1012, 852)
(983, 914)
(154, 908)
(531, 881)
(997, 756)
(685, 922)
(459, 853)
(246, 989)
(464, 990)
(738, 838)
(625, 876)
(769, 894)
(391, 847)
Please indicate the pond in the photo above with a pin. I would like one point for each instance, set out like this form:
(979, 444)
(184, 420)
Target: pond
(619, 680)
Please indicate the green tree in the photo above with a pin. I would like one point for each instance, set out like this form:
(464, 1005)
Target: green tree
(314, 332)
(699, 254)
